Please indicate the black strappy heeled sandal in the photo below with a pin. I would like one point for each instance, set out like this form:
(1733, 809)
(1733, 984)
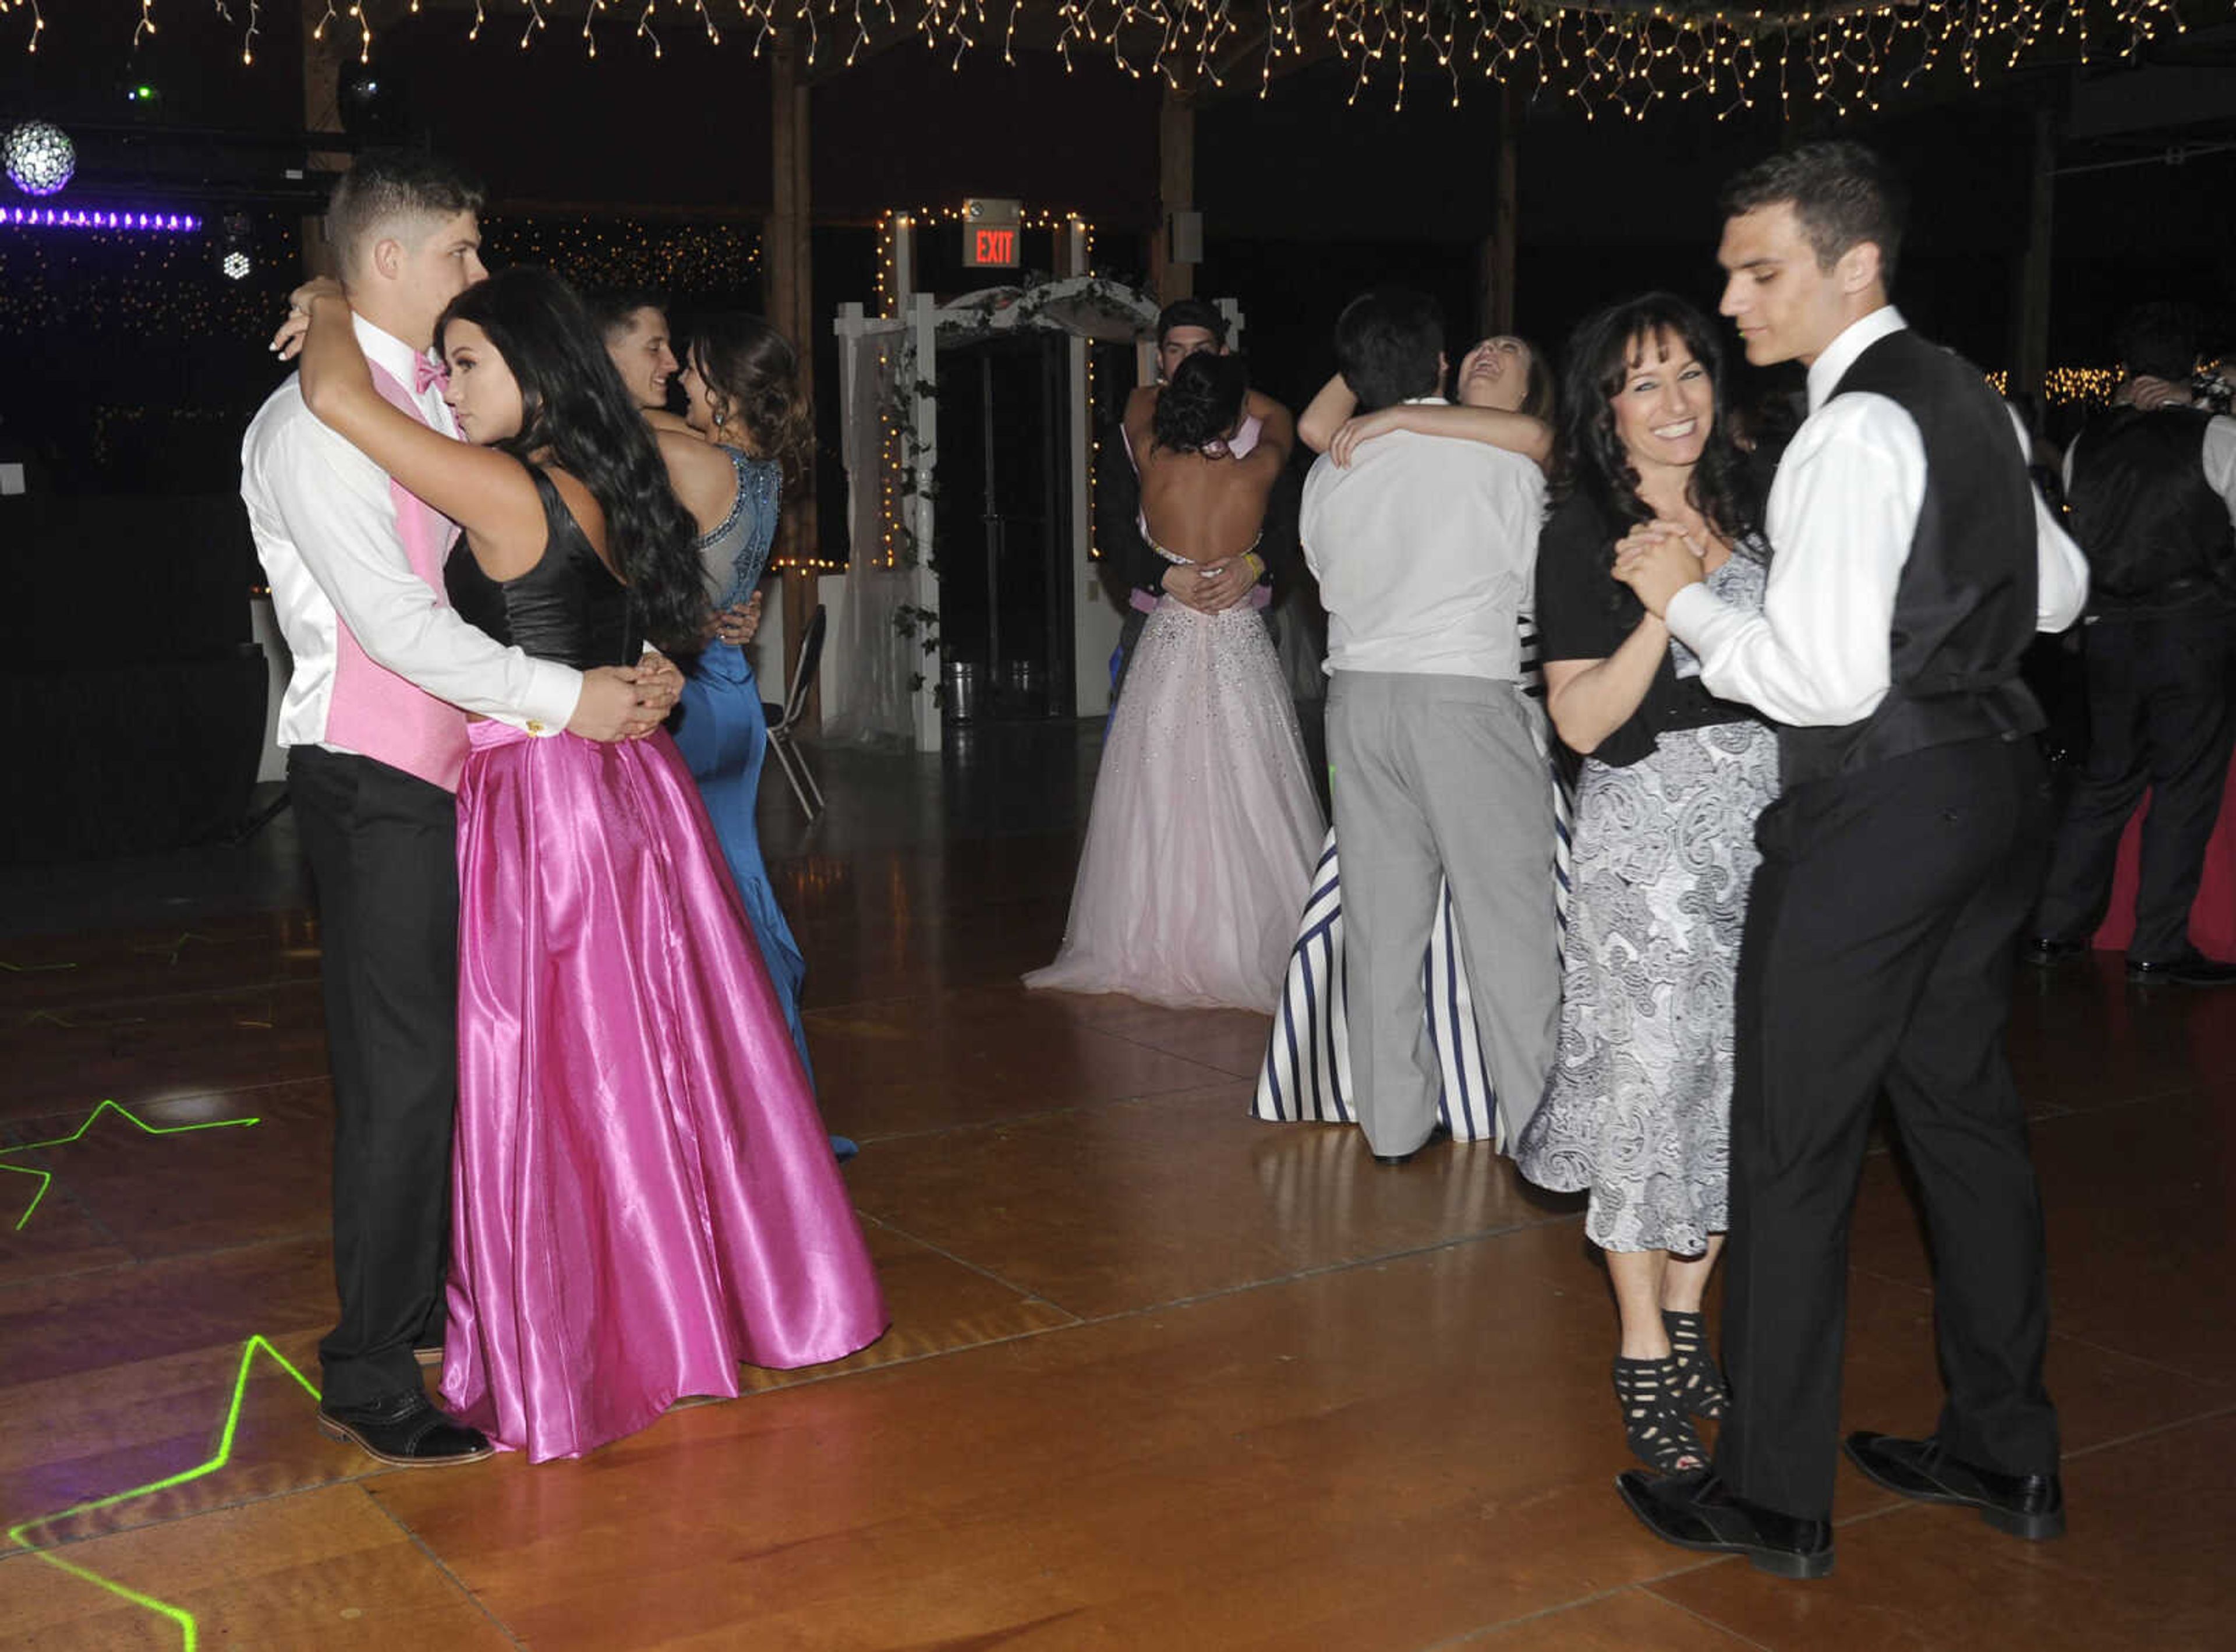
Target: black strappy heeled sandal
(1701, 1387)
(1654, 1417)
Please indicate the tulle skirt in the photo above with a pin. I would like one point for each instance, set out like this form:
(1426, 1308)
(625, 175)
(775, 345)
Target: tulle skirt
(1200, 843)
(643, 1193)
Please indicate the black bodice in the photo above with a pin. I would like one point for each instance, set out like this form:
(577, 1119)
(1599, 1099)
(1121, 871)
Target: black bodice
(568, 608)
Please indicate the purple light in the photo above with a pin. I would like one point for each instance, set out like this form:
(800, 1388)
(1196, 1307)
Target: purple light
(99, 218)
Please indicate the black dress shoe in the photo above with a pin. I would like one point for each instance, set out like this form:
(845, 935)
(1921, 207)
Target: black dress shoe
(2194, 970)
(1442, 1132)
(2047, 952)
(2026, 1505)
(405, 1432)
(1699, 1512)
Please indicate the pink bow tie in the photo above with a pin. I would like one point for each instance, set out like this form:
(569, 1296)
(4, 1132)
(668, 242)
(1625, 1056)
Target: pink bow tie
(426, 370)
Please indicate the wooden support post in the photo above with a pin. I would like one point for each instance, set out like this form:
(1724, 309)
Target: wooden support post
(1495, 297)
(2031, 315)
(790, 300)
(322, 112)
(1175, 194)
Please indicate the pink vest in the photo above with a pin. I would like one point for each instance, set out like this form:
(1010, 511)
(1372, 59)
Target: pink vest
(373, 710)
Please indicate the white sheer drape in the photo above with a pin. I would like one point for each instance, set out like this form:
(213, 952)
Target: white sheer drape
(876, 704)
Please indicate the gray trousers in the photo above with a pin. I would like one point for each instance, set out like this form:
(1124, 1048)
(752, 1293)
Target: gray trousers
(1437, 776)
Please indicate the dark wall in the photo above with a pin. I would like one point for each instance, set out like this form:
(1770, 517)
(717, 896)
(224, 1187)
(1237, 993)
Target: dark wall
(86, 62)
(692, 128)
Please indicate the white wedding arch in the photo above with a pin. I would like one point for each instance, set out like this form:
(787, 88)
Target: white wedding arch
(880, 679)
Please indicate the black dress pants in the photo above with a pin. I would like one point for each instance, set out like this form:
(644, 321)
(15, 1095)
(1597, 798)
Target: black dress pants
(1878, 956)
(383, 850)
(2159, 715)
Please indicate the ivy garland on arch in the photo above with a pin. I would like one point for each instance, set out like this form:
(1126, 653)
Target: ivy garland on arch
(1078, 304)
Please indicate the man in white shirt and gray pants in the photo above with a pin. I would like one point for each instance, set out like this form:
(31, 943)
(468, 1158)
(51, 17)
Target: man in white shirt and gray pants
(1425, 550)
(1913, 561)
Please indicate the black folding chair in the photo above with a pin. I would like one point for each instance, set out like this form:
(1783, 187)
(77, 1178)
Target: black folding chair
(782, 720)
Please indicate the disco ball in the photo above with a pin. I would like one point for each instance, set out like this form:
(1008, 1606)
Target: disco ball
(40, 157)
(234, 266)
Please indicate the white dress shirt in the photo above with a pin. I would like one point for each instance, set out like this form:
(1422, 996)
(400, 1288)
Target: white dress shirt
(1425, 548)
(325, 522)
(1842, 514)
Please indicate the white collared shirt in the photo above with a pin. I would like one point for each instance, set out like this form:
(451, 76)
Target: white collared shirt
(1842, 514)
(1425, 548)
(325, 522)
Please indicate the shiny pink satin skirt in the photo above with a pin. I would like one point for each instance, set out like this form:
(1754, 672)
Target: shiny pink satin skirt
(643, 1194)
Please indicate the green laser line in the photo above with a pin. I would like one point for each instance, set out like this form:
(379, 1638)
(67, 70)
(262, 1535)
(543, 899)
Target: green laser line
(46, 1177)
(189, 1630)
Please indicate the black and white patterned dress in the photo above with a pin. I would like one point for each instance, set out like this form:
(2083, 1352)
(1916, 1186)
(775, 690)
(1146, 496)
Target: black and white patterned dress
(1638, 1106)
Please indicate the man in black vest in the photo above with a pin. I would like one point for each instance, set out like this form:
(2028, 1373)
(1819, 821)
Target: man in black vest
(1912, 563)
(2152, 488)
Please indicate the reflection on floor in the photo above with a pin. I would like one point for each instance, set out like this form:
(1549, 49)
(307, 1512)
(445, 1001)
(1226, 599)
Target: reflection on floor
(1160, 1376)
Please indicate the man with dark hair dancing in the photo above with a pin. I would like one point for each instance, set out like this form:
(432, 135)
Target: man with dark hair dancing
(1425, 548)
(2152, 484)
(1913, 564)
(376, 741)
(1185, 327)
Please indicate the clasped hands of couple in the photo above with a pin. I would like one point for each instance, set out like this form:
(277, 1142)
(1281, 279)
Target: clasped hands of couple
(617, 703)
(1211, 588)
(1657, 560)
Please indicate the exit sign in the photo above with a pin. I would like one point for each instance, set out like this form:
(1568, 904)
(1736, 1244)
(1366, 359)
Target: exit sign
(988, 249)
(990, 232)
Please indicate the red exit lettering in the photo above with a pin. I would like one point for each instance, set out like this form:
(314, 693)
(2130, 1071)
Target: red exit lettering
(994, 246)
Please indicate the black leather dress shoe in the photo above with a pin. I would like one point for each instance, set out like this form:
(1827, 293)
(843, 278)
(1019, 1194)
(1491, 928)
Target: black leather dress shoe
(2194, 970)
(2026, 1505)
(2047, 952)
(1699, 1512)
(1442, 1132)
(405, 1432)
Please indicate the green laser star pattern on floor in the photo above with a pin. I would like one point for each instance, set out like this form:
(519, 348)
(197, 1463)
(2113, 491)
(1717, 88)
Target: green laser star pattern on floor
(46, 1177)
(189, 1630)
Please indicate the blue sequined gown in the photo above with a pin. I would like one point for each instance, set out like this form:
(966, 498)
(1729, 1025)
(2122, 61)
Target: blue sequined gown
(724, 735)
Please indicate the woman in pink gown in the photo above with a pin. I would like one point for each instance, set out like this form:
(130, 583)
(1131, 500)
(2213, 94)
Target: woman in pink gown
(1204, 829)
(644, 1194)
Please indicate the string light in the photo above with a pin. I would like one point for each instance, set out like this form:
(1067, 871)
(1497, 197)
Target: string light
(161, 223)
(1626, 59)
(2068, 386)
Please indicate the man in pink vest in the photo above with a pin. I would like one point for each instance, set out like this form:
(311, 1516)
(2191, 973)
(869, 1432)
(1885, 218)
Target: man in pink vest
(375, 719)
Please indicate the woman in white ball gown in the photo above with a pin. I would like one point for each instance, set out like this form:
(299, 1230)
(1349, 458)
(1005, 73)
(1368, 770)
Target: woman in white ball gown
(1205, 826)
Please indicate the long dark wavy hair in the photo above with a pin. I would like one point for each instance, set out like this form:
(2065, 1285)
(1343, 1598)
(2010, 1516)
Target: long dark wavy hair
(575, 413)
(1201, 404)
(1601, 354)
(752, 379)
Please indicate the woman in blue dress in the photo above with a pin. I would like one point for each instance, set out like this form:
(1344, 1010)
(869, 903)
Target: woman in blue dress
(748, 426)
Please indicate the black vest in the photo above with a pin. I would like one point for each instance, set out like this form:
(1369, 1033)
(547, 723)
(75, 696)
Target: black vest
(2156, 535)
(1964, 608)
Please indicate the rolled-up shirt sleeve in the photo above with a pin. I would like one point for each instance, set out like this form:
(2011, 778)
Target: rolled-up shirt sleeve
(345, 532)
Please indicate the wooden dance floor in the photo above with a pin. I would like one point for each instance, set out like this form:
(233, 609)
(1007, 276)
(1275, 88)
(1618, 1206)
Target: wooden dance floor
(1160, 1375)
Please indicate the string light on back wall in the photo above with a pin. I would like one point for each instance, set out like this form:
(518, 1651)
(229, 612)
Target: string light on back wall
(1622, 59)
